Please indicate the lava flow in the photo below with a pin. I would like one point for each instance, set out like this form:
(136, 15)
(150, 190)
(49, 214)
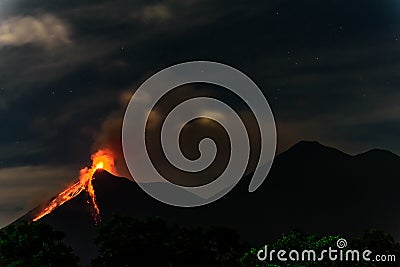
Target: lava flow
(102, 159)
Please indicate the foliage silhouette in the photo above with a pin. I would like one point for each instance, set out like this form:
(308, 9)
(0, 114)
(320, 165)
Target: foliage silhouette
(32, 244)
(378, 242)
(126, 241)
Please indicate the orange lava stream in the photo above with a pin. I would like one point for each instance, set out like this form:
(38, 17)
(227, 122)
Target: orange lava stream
(102, 159)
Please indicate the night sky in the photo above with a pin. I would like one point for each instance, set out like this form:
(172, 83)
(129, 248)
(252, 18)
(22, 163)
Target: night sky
(329, 69)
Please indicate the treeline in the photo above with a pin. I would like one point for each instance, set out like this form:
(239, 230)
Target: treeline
(126, 241)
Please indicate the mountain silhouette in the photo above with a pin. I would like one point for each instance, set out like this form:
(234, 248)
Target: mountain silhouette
(310, 187)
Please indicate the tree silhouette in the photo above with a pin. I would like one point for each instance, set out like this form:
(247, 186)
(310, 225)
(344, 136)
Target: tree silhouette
(295, 240)
(376, 241)
(34, 244)
(125, 241)
(380, 243)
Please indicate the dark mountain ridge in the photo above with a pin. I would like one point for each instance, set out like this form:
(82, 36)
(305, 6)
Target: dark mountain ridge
(310, 187)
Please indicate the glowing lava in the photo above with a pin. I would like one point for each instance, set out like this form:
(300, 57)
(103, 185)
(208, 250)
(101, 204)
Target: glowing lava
(102, 159)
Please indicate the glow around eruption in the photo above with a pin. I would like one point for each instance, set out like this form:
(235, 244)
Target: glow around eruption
(102, 159)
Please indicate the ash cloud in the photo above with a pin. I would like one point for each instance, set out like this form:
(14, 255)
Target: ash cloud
(110, 135)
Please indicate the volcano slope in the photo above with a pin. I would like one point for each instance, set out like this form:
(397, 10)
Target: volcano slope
(311, 187)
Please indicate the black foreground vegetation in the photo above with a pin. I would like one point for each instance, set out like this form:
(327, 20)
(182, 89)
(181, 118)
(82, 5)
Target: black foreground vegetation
(128, 241)
(34, 244)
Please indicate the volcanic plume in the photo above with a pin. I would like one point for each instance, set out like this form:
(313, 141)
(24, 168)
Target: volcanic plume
(103, 159)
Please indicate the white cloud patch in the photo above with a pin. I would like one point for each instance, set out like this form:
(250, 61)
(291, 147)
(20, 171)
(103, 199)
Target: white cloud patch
(154, 13)
(46, 30)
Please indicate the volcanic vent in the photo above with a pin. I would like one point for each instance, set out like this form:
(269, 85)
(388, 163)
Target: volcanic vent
(103, 159)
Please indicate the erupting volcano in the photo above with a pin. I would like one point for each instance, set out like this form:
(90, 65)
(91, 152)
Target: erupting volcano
(101, 160)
